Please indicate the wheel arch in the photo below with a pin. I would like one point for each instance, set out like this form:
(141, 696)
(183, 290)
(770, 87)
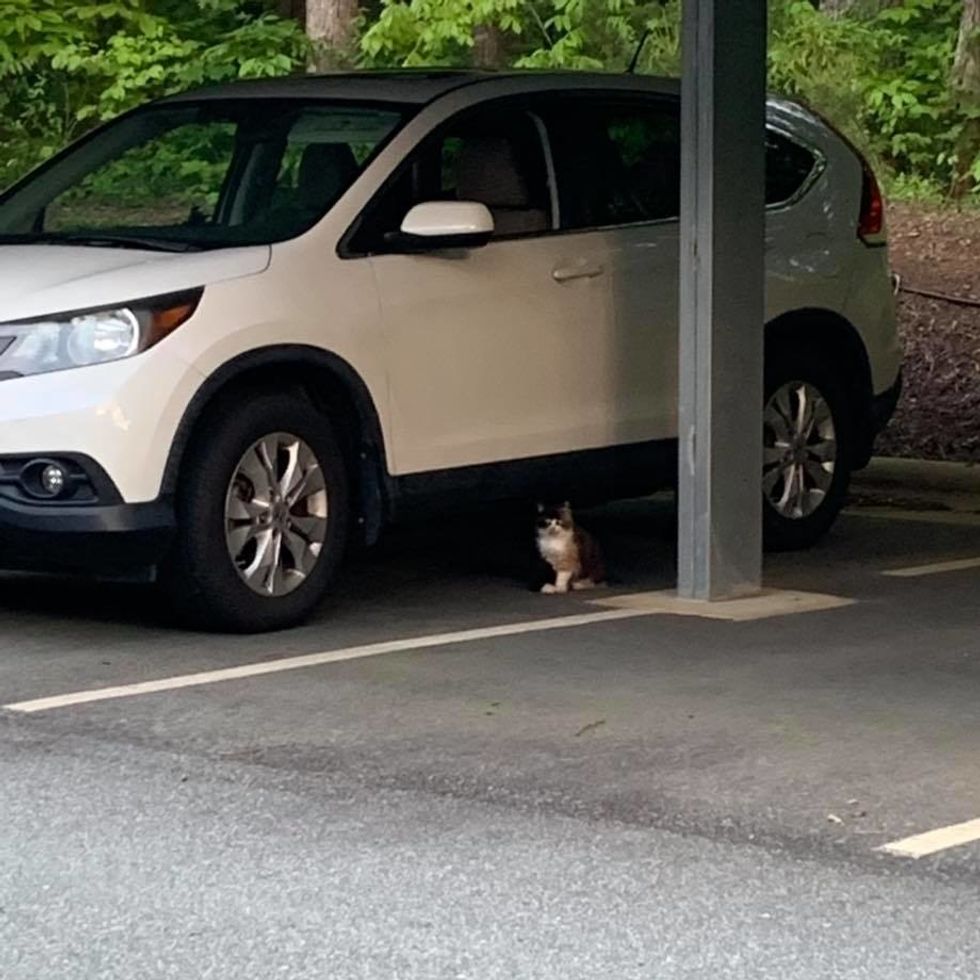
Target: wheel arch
(335, 387)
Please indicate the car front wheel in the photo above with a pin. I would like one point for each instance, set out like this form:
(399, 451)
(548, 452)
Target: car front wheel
(262, 516)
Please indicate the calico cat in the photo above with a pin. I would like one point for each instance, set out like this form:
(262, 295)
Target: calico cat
(570, 550)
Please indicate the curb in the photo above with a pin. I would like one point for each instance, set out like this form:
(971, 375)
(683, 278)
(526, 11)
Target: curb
(886, 473)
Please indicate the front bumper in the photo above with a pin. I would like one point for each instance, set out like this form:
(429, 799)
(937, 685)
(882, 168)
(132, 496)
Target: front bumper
(123, 415)
(108, 540)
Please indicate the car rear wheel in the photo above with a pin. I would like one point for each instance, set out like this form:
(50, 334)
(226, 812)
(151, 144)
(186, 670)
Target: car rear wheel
(262, 515)
(807, 432)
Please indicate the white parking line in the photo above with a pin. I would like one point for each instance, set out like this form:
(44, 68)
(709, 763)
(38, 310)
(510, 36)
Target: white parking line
(315, 659)
(773, 602)
(952, 518)
(936, 568)
(921, 845)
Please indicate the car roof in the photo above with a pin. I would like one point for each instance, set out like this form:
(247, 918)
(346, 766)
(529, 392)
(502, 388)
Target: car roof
(418, 86)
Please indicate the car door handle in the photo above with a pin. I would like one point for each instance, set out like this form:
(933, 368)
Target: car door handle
(584, 270)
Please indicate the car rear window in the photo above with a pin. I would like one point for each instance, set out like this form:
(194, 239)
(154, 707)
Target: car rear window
(620, 164)
(788, 167)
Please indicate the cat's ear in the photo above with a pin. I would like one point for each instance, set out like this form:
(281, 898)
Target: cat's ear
(540, 508)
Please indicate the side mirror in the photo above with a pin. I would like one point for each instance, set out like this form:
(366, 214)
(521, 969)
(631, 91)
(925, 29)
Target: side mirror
(444, 224)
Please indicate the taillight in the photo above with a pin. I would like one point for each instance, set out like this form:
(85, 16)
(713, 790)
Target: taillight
(871, 221)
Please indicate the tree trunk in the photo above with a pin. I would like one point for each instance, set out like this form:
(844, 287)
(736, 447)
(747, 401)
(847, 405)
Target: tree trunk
(841, 8)
(487, 46)
(330, 26)
(966, 91)
(966, 63)
(837, 8)
(292, 9)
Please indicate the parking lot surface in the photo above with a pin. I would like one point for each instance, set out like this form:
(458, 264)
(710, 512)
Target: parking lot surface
(459, 784)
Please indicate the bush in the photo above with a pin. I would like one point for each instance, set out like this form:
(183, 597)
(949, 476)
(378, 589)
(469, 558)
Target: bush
(883, 77)
(882, 73)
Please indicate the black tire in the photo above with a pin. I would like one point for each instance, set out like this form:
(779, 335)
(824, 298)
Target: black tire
(804, 365)
(200, 576)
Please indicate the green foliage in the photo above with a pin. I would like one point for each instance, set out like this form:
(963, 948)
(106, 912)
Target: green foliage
(908, 106)
(910, 187)
(65, 68)
(587, 34)
(571, 34)
(820, 61)
(434, 32)
(881, 73)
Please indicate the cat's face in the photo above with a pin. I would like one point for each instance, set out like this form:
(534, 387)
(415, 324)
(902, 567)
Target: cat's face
(554, 520)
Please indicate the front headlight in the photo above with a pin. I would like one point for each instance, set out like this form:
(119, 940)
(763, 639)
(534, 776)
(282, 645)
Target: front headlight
(71, 340)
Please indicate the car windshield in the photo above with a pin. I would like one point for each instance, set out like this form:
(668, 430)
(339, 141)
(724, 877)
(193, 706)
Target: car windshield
(200, 175)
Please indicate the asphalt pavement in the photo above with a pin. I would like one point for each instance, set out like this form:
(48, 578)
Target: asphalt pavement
(652, 796)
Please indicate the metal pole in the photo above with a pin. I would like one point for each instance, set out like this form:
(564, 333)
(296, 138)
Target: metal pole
(721, 298)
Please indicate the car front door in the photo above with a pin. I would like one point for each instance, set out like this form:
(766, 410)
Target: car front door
(497, 353)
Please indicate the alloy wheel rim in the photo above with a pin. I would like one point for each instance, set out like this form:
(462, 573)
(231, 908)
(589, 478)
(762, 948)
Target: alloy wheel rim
(799, 450)
(276, 511)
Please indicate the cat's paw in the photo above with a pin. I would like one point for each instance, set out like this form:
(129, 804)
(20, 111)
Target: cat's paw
(549, 589)
(583, 583)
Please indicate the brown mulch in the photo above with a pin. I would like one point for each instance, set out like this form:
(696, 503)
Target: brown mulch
(939, 415)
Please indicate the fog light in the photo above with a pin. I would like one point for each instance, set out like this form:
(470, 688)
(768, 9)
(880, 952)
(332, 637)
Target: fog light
(53, 479)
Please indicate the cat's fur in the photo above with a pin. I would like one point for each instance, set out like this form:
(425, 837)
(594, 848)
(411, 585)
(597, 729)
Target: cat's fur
(569, 549)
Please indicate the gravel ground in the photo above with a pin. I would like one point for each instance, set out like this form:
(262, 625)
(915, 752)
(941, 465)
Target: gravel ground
(939, 414)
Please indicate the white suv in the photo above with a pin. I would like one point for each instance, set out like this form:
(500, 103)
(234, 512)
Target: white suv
(242, 325)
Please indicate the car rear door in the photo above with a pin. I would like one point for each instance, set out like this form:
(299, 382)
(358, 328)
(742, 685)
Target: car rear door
(617, 161)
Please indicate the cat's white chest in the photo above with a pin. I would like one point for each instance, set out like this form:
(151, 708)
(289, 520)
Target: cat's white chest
(554, 548)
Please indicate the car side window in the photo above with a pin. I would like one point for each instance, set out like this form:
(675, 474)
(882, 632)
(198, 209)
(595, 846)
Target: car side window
(617, 164)
(493, 157)
(788, 167)
(620, 164)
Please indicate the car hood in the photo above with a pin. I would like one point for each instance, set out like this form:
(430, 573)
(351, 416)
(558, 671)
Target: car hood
(37, 280)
